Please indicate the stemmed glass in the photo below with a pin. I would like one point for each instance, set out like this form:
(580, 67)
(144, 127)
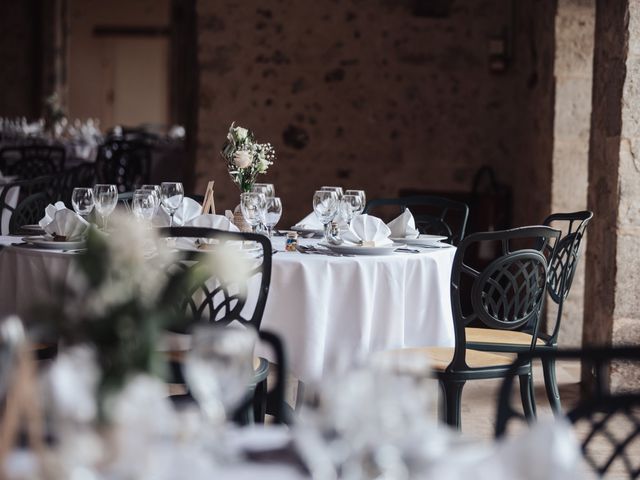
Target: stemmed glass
(267, 188)
(273, 213)
(325, 205)
(350, 205)
(156, 191)
(144, 204)
(106, 199)
(218, 368)
(338, 191)
(253, 206)
(362, 196)
(82, 201)
(171, 196)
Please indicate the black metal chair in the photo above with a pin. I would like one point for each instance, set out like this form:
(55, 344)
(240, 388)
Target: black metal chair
(222, 301)
(28, 212)
(562, 268)
(24, 190)
(505, 294)
(604, 445)
(27, 162)
(124, 163)
(434, 215)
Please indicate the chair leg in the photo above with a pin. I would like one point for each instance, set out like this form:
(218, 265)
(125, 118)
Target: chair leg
(551, 384)
(260, 402)
(452, 391)
(527, 395)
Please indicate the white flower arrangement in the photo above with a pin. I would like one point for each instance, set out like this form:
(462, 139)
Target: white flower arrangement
(246, 158)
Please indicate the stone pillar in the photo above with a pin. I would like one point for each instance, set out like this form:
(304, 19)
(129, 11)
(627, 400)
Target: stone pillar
(573, 67)
(612, 304)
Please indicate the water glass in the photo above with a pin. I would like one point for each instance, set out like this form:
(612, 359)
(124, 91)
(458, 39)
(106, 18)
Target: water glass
(144, 204)
(338, 191)
(325, 205)
(267, 188)
(253, 206)
(82, 201)
(106, 199)
(218, 368)
(350, 205)
(273, 213)
(156, 190)
(171, 196)
(362, 196)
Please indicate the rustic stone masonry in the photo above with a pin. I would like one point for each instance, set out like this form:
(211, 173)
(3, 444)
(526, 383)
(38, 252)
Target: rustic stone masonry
(612, 303)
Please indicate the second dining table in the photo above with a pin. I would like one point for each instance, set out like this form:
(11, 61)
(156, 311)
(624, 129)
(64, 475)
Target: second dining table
(330, 311)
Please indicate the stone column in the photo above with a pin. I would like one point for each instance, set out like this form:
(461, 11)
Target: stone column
(573, 71)
(612, 304)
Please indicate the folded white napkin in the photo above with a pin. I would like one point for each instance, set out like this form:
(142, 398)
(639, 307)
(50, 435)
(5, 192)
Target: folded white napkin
(188, 210)
(209, 220)
(367, 231)
(404, 226)
(310, 222)
(62, 223)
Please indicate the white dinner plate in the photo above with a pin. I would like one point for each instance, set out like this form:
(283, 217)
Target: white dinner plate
(304, 231)
(32, 228)
(358, 250)
(50, 244)
(423, 239)
(248, 247)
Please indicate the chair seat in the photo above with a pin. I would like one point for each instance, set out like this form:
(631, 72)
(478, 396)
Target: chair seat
(500, 337)
(440, 357)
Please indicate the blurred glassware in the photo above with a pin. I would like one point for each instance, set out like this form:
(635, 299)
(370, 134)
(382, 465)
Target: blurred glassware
(219, 367)
(83, 201)
(253, 206)
(171, 196)
(350, 205)
(144, 204)
(156, 191)
(273, 213)
(106, 199)
(325, 206)
(362, 196)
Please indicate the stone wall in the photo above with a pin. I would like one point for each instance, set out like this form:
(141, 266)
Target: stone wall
(575, 23)
(369, 95)
(20, 77)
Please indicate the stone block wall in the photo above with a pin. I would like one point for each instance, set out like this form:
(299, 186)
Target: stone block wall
(365, 94)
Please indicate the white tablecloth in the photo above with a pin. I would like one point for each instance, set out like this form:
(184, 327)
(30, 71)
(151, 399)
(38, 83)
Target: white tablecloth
(329, 311)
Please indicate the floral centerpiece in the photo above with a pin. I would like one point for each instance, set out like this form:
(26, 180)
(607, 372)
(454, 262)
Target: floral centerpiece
(246, 158)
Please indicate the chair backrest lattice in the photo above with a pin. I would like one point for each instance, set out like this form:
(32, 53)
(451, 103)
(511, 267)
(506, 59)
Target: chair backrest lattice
(27, 162)
(28, 211)
(125, 164)
(433, 215)
(222, 297)
(508, 293)
(564, 263)
(606, 423)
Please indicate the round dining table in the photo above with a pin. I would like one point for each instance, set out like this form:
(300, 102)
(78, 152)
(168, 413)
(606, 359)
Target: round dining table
(330, 311)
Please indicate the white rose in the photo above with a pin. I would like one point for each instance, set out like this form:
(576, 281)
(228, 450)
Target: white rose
(241, 133)
(242, 159)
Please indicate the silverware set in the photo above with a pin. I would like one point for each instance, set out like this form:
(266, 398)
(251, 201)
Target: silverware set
(311, 250)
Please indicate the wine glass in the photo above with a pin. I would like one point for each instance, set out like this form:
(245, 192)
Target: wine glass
(82, 201)
(325, 205)
(253, 205)
(218, 368)
(362, 196)
(171, 196)
(273, 213)
(267, 188)
(350, 205)
(156, 190)
(338, 191)
(106, 199)
(144, 204)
